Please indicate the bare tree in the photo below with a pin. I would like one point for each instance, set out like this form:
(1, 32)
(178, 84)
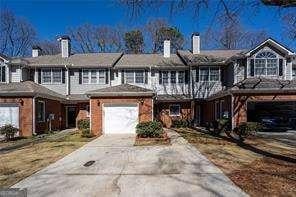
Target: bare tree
(88, 38)
(231, 34)
(290, 25)
(151, 28)
(16, 34)
(281, 3)
(49, 47)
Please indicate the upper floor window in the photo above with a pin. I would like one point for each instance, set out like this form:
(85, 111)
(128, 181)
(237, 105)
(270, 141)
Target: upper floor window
(51, 75)
(209, 74)
(294, 72)
(173, 77)
(266, 63)
(93, 76)
(2, 73)
(135, 76)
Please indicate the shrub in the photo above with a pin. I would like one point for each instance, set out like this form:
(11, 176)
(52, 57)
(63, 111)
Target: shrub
(180, 123)
(86, 133)
(152, 129)
(9, 131)
(218, 126)
(83, 124)
(247, 129)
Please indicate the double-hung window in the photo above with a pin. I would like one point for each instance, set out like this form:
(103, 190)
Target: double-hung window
(266, 64)
(181, 77)
(165, 77)
(139, 76)
(93, 76)
(51, 75)
(134, 76)
(294, 72)
(209, 74)
(2, 73)
(173, 77)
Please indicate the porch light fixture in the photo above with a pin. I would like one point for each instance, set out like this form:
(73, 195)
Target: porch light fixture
(141, 100)
(21, 101)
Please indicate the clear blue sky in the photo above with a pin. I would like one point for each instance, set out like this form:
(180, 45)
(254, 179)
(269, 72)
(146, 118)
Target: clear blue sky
(51, 18)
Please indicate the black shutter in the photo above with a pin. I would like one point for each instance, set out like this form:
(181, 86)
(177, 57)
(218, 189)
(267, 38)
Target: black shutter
(222, 76)
(160, 77)
(280, 67)
(107, 76)
(146, 76)
(186, 76)
(39, 76)
(80, 76)
(197, 75)
(3, 74)
(63, 76)
(122, 77)
(252, 67)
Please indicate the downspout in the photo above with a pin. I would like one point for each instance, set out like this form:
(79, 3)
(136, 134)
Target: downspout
(67, 80)
(34, 116)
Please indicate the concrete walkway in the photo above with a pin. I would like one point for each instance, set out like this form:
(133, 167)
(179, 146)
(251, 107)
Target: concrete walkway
(121, 169)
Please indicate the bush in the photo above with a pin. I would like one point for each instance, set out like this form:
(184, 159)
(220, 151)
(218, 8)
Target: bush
(86, 133)
(180, 123)
(9, 131)
(152, 129)
(247, 129)
(218, 126)
(83, 124)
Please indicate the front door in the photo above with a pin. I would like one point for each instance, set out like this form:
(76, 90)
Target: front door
(71, 117)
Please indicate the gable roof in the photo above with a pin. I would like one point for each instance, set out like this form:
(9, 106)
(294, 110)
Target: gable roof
(4, 57)
(28, 88)
(75, 60)
(285, 50)
(149, 60)
(121, 90)
(212, 57)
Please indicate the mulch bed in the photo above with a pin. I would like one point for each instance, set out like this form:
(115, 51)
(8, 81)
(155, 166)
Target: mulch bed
(141, 141)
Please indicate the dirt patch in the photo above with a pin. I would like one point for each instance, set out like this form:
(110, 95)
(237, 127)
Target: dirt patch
(263, 167)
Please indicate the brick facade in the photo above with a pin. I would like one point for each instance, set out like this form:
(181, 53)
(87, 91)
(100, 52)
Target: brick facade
(162, 112)
(96, 109)
(51, 107)
(25, 113)
(240, 104)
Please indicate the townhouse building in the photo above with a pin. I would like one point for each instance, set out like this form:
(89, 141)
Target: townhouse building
(116, 90)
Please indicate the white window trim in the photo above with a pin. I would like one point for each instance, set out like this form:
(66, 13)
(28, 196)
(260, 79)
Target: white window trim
(176, 105)
(134, 75)
(97, 76)
(43, 111)
(170, 77)
(209, 68)
(51, 76)
(265, 67)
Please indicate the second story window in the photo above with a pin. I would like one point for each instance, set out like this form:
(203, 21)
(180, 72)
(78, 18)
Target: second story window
(2, 73)
(294, 72)
(135, 76)
(209, 74)
(51, 75)
(266, 64)
(172, 77)
(94, 76)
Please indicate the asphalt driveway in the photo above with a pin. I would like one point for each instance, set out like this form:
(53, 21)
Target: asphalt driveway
(121, 169)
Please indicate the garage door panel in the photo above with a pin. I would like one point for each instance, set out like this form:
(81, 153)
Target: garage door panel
(9, 115)
(120, 118)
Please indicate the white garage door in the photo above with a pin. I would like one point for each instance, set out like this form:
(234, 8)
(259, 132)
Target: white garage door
(119, 119)
(9, 115)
